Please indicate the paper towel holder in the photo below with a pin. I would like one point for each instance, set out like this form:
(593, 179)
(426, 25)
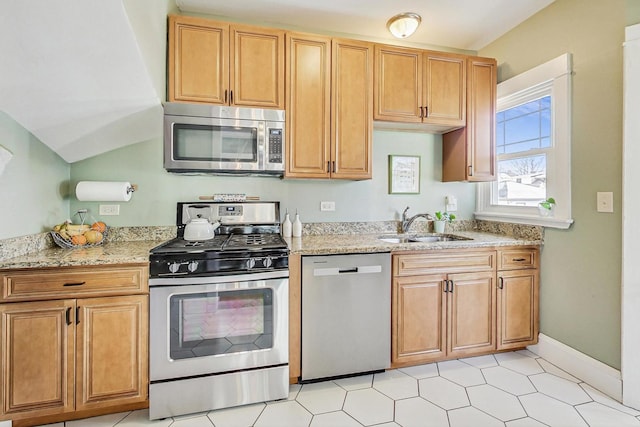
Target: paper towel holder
(103, 191)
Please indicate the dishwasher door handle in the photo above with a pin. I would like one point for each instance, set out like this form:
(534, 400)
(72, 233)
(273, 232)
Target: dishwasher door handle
(366, 269)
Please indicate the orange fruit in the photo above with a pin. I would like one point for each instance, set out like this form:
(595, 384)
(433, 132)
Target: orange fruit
(78, 239)
(99, 226)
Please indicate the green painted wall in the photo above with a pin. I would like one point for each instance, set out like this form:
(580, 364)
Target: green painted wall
(154, 203)
(33, 187)
(581, 267)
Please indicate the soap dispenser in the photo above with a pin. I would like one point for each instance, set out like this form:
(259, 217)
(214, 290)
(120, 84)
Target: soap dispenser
(286, 225)
(297, 226)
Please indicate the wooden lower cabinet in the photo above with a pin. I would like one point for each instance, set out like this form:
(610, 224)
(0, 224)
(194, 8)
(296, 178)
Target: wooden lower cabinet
(440, 316)
(68, 358)
(517, 299)
(458, 303)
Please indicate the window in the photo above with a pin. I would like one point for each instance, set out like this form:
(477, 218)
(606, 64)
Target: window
(533, 146)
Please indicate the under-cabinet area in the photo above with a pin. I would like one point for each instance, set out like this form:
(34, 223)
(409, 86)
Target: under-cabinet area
(444, 304)
(74, 342)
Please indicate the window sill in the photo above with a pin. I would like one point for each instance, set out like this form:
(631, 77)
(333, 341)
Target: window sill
(550, 222)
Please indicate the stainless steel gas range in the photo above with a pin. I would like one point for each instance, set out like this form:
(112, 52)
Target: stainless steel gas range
(219, 312)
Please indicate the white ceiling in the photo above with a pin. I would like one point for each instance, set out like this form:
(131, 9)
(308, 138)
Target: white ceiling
(87, 76)
(460, 24)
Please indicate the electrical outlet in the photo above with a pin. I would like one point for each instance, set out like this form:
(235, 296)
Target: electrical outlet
(605, 201)
(328, 206)
(109, 209)
(451, 203)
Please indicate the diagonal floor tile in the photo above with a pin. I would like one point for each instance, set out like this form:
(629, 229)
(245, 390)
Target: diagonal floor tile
(443, 393)
(238, 416)
(519, 363)
(355, 383)
(333, 419)
(560, 388)
(553, 369)
(322, 397)
(396, 384)
(369, 406)
(101, 421)
(495, 402)
(481, 361)
(597, 414)
(460, 373)
(467, 417)
(422, 371)
(524, 422)
(417, 412)
(200, 421)
(508, 380)
(600, 397)
(141, 418)
(551, 411)
(289, 413)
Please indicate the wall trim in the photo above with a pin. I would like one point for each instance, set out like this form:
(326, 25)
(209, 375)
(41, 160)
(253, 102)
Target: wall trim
(595, 373)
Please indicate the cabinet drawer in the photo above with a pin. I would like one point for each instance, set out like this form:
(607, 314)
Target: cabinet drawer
(443, 262)
(514, 259)
(72, 282)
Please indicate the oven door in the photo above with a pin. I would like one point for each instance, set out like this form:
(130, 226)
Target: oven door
(208, 325)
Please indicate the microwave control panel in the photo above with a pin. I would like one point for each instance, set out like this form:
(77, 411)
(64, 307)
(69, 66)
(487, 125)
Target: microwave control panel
(275, 146)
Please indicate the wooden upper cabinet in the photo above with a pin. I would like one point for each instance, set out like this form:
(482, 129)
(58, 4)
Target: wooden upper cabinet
(468, 154)
(417, 86)
(218, 63)
(308, 122)
(329, 107)
(351, 109)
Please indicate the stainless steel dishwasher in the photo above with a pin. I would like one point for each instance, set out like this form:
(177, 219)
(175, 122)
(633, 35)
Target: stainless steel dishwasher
(346, 314)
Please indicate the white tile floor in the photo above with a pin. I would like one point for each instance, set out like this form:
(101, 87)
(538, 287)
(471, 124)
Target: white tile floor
(516, 389)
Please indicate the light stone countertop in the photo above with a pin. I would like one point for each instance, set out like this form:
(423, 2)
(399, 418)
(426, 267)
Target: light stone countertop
(368, 243)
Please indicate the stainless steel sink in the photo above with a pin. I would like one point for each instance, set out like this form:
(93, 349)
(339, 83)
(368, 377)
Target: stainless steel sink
(422, 238)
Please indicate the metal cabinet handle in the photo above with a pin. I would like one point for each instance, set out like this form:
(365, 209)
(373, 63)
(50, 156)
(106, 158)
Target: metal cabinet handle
(68, 316)
(470, 170)
(426, 112)
(333, 167)
(519, 259)
(225, 96)
(451, 286)
(230, 97)
(328, 166)
(500, 283)
(421, 114)
(77, 315)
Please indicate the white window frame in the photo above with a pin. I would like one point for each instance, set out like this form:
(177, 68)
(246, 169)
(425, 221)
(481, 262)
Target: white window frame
(551, 78)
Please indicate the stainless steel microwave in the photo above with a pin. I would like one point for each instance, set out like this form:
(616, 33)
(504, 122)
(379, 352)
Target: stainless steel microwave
(202, 138)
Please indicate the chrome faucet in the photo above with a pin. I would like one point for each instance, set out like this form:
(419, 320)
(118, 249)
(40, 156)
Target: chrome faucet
(406, 222)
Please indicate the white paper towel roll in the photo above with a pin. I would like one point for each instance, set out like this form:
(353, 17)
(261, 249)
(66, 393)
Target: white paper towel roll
(101, 191)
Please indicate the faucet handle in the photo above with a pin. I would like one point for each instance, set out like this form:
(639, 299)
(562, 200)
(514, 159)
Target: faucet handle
(404, 213)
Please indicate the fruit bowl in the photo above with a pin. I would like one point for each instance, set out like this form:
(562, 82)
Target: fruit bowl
(85, 234)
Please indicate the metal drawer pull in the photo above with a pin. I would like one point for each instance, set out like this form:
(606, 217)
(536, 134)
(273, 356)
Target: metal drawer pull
(451, 286)
(519, 259)
(500, 283)
(68, 315)
(77, 315)
(74, 284)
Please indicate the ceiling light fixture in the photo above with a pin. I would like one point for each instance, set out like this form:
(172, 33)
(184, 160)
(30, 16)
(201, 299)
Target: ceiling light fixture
(404, 24)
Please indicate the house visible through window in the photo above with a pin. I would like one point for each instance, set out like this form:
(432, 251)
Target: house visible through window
(533, 148)
(523, 135)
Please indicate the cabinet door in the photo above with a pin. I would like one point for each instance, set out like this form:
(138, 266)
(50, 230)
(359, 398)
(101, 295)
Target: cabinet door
(445, 89)
(37, 359)
(471, 314)
(352, 109)
(309, 106)
(481, 99)
(257, 64)
(112, 351)
(198, 67)
(517, 308)
(418, 325)
(468, 154)
(398, 84)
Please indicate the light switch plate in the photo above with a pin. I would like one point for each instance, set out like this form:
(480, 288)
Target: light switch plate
(328, 206)
(605, 201)
(109, 209)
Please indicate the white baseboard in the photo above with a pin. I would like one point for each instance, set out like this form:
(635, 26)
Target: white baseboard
(595, 373)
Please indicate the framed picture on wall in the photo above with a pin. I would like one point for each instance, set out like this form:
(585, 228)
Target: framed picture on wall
(404, 174)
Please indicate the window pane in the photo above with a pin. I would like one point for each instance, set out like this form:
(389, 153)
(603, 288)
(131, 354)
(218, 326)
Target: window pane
(522, 181)
(524, 127)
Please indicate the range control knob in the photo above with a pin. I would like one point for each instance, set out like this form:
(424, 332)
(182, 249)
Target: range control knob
(251, 262)
(267, 262)
(174, 267)
(192, 266)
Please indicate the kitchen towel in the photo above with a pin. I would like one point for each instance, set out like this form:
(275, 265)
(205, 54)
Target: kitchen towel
(5, 157)
(102, 191)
